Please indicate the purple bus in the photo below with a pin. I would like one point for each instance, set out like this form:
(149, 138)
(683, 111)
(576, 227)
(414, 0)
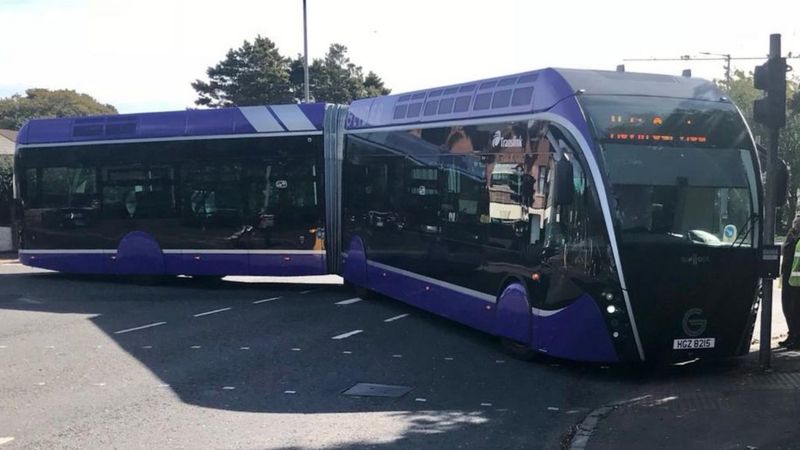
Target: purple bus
(236, 191)
(588, 215)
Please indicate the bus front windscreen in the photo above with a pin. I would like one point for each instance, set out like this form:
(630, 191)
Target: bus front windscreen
(679, 170)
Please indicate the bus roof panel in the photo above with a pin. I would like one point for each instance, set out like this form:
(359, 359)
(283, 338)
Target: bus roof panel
(516, 94)
(193, 122)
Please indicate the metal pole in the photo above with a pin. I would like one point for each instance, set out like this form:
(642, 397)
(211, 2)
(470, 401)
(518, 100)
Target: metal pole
(728, 72)
(305, 54)
(765, 350)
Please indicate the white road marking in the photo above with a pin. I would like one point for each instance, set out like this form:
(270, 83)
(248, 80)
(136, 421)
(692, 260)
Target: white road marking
(212, 312)
(486, 404)
(350, 301)
(420, 399)
(296, 349)
(290, 392)
(346, 335)
(307, 291)
(347, 352)
(397, 356)
(553, 408)
(244, 348)
(448, 358)
(150, 325)
(272, 299)
(228, 388)
(196, 347)
(392, 319)
(147, 347)
(6, 440)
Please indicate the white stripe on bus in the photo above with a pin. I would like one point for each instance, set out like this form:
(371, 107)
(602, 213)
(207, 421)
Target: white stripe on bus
(293, 117)
(243, 252)
(174, 139)
(172, 251)
(261, 119)
(67, 251)
(444, 284)
(546, 312)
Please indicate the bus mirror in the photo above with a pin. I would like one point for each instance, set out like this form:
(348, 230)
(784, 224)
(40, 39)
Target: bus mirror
(535, 224)
(781, 183)
(564, 187)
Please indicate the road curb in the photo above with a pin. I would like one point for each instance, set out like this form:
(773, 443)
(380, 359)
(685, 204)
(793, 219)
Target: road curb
(583, 431)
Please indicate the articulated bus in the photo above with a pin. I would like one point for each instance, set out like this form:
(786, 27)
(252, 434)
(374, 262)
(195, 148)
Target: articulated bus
(236, 191)
(588, 215)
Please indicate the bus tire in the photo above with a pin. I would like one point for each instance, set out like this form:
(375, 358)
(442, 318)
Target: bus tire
(360, 291)
(209, 281)
(518, 350)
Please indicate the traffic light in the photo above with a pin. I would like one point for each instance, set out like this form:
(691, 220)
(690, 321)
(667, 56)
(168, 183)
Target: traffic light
(770, 77)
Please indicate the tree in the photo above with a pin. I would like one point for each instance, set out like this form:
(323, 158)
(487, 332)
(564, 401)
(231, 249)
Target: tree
(336, 79)
(257, 74)
(743, 93)
(253, 74)
(42, 103)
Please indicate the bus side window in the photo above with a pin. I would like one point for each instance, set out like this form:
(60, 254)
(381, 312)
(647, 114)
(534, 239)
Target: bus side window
(30, 188)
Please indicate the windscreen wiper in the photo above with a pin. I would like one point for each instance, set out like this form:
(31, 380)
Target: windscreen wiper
(749, 225)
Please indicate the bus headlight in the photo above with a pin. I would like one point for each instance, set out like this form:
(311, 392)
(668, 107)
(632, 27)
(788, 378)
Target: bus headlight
(608, 296)
(611, 309)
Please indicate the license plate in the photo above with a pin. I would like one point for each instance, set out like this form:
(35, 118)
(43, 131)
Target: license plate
(692, 344)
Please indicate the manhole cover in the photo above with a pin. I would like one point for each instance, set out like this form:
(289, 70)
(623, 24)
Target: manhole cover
(377, 390)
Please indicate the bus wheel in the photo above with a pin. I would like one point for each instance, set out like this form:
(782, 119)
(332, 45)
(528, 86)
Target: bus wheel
(359, 291)
(518, 350)
(210, 281)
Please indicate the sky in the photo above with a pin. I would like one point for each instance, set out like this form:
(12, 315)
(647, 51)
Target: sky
(142, 55)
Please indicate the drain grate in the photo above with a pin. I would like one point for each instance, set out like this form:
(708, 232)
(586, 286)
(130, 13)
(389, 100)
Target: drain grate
(377, 390)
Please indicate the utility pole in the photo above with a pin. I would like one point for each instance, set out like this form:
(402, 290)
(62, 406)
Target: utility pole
(305, 54)
(770, 110)
(727, 58)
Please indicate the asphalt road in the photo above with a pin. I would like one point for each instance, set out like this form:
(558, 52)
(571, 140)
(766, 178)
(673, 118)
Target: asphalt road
(99, 363)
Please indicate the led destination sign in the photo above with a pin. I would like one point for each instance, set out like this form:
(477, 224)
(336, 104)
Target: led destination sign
(666, 122)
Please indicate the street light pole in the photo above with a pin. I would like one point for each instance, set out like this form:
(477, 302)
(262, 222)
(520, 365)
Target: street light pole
(305, 54)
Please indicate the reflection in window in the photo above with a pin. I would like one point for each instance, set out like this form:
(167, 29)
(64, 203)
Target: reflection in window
(64, 187)
(138, 192)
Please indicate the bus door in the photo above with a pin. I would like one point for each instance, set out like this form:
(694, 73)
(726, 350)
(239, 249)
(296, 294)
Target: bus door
(574, 254)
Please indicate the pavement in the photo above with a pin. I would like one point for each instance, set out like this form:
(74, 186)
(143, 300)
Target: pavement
(720, 405)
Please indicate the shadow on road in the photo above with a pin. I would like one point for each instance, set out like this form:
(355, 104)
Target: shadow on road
(251, 365)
